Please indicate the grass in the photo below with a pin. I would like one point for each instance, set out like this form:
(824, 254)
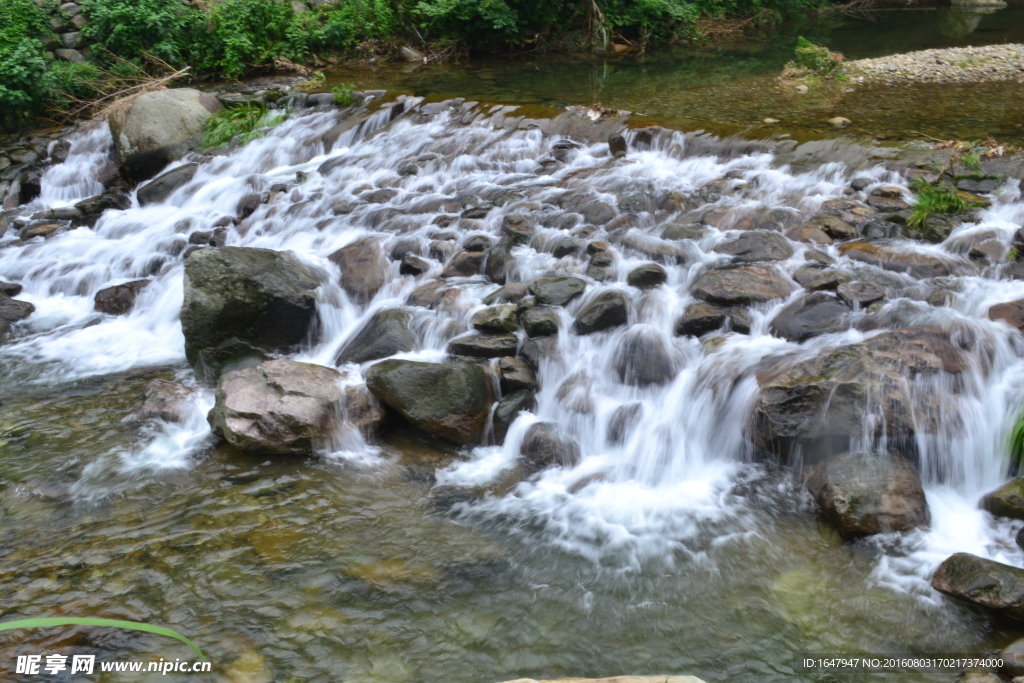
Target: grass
(240, 124)
(1017, 442)
(932, 199)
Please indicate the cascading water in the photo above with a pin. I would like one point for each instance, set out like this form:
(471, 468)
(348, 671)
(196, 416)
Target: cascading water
(673, 488)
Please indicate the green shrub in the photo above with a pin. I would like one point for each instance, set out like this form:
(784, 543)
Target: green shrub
(818, 58)
(240, 124)
(1016, 444)
(247, 33)
(343, 94)
(931, 199)
(23, 70)
(133, 28)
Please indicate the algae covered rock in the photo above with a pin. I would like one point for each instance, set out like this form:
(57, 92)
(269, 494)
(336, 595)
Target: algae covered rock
(986, 583)
(1007, 500)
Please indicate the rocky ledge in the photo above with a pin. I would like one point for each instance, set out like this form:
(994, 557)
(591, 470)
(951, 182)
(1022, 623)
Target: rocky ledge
(946, 65)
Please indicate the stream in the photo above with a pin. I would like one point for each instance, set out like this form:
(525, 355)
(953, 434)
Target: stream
(677, 549)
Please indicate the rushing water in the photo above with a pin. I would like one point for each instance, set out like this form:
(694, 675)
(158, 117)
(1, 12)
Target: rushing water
(669, 553)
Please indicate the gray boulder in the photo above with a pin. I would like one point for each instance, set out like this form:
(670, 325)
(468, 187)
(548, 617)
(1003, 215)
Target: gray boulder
(450, 400)
(860, 293)
(516, 374)
(540, 321)
(646, 276)
(12, 310)
(119, 299)
(163, 186)
(757, 245)
(158, 127)
(643, 359)
(700, 318)
(986, 583)
(745, 285)
(557, 291)
(811, 315)
(606, 310)
(869, 493)
(384, 334)
(545, 446)
(476, 345)
(261, 297)
(496, 319)
(279, 407)
(364, 269)
(818, 279)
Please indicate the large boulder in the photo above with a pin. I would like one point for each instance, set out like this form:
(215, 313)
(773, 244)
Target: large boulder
(384, 334)
(545, 446)
(364, 270)
(810, 315)
(869, 493)
(278, 407)
(816, 405)
(557, 291)
(745, 285)
(1006, 501)
(158, 127)
(606, 310)
(262, 297)
(450, 400)
(986, 583)
(757, 245)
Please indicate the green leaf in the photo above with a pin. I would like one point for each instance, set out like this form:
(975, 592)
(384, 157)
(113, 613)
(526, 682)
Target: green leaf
(48, 622)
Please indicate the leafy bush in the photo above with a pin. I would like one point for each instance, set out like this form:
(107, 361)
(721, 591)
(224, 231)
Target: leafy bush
(818, 58)
(247, 33)
(240, 124)
(343, 94)
(23, 70)
(133, 28)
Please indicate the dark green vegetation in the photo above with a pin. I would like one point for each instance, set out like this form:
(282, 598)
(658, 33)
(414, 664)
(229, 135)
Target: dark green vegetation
(241, 124)
(343, 93)
(236, 36)
(932, 199)
(818, 58)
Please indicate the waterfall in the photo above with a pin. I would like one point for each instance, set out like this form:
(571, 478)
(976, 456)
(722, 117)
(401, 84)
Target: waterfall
(678, 472)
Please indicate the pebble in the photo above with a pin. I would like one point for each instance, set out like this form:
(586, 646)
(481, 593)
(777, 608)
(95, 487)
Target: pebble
(946, 65)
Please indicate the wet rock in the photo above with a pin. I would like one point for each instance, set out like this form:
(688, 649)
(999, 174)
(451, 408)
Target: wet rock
(809, 316)
(364, 269)
(647, 276)
(511, 292)
(496, 319)
(166, 401)
(517, 374)
(545, 446)
(362, 410)
(12, 310)
(413, 265)
(163, 186)
(484, 345)
(384, 334)
(757, 245)
(700, 318)
(540, 322)
(478, 243)
(617, 146)
(861, 293)
(557, 291)
(745, 285)
(815, 405)
(508, 409)
(518, 228)
(840, 122)
(985, 583)
(606, 310)
(119, 299)
(158, 127)
(499, 262)
(644, 359)
(9, 289)
(809, 234)
(917, 264)
(623, 421)
(820, 279)
(43, 228)
(833, 226)
(279, 407)
(886, 204)
(464, 264)
(654, 249)
(450, 400)
(1006, 501)
(536, 350)
(684, 231)
(259, 296)
(597, 212)
(618, 679)
(428, 295)
(863, 494)
(1011, 312)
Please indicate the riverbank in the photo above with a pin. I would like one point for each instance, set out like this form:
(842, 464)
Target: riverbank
(945, 65)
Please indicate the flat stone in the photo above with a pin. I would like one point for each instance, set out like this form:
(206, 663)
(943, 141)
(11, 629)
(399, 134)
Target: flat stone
(496, 319)
(1011, 312)
(860, 293)
(606, 310)
(820, 279)
(809, 316)
(475, 345)
(986, 583)
(745, 285)
(557, 291)
(119, 299)
(757, 245)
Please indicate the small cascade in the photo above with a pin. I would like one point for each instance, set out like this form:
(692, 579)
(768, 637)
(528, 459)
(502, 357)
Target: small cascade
(661, 419)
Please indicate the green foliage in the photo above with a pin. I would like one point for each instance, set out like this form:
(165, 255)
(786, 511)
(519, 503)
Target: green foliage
(240, 124)
(246, 33)
(818, 58)
(23, 70)
(133, 28)
(1017, 442)
(931, 199)
(343, 94)
(69, 81)
(972, 159)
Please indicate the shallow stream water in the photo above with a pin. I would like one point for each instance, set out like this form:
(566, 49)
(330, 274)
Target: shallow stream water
(670, 553)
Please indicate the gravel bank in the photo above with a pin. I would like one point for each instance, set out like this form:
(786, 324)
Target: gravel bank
(948, 65)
